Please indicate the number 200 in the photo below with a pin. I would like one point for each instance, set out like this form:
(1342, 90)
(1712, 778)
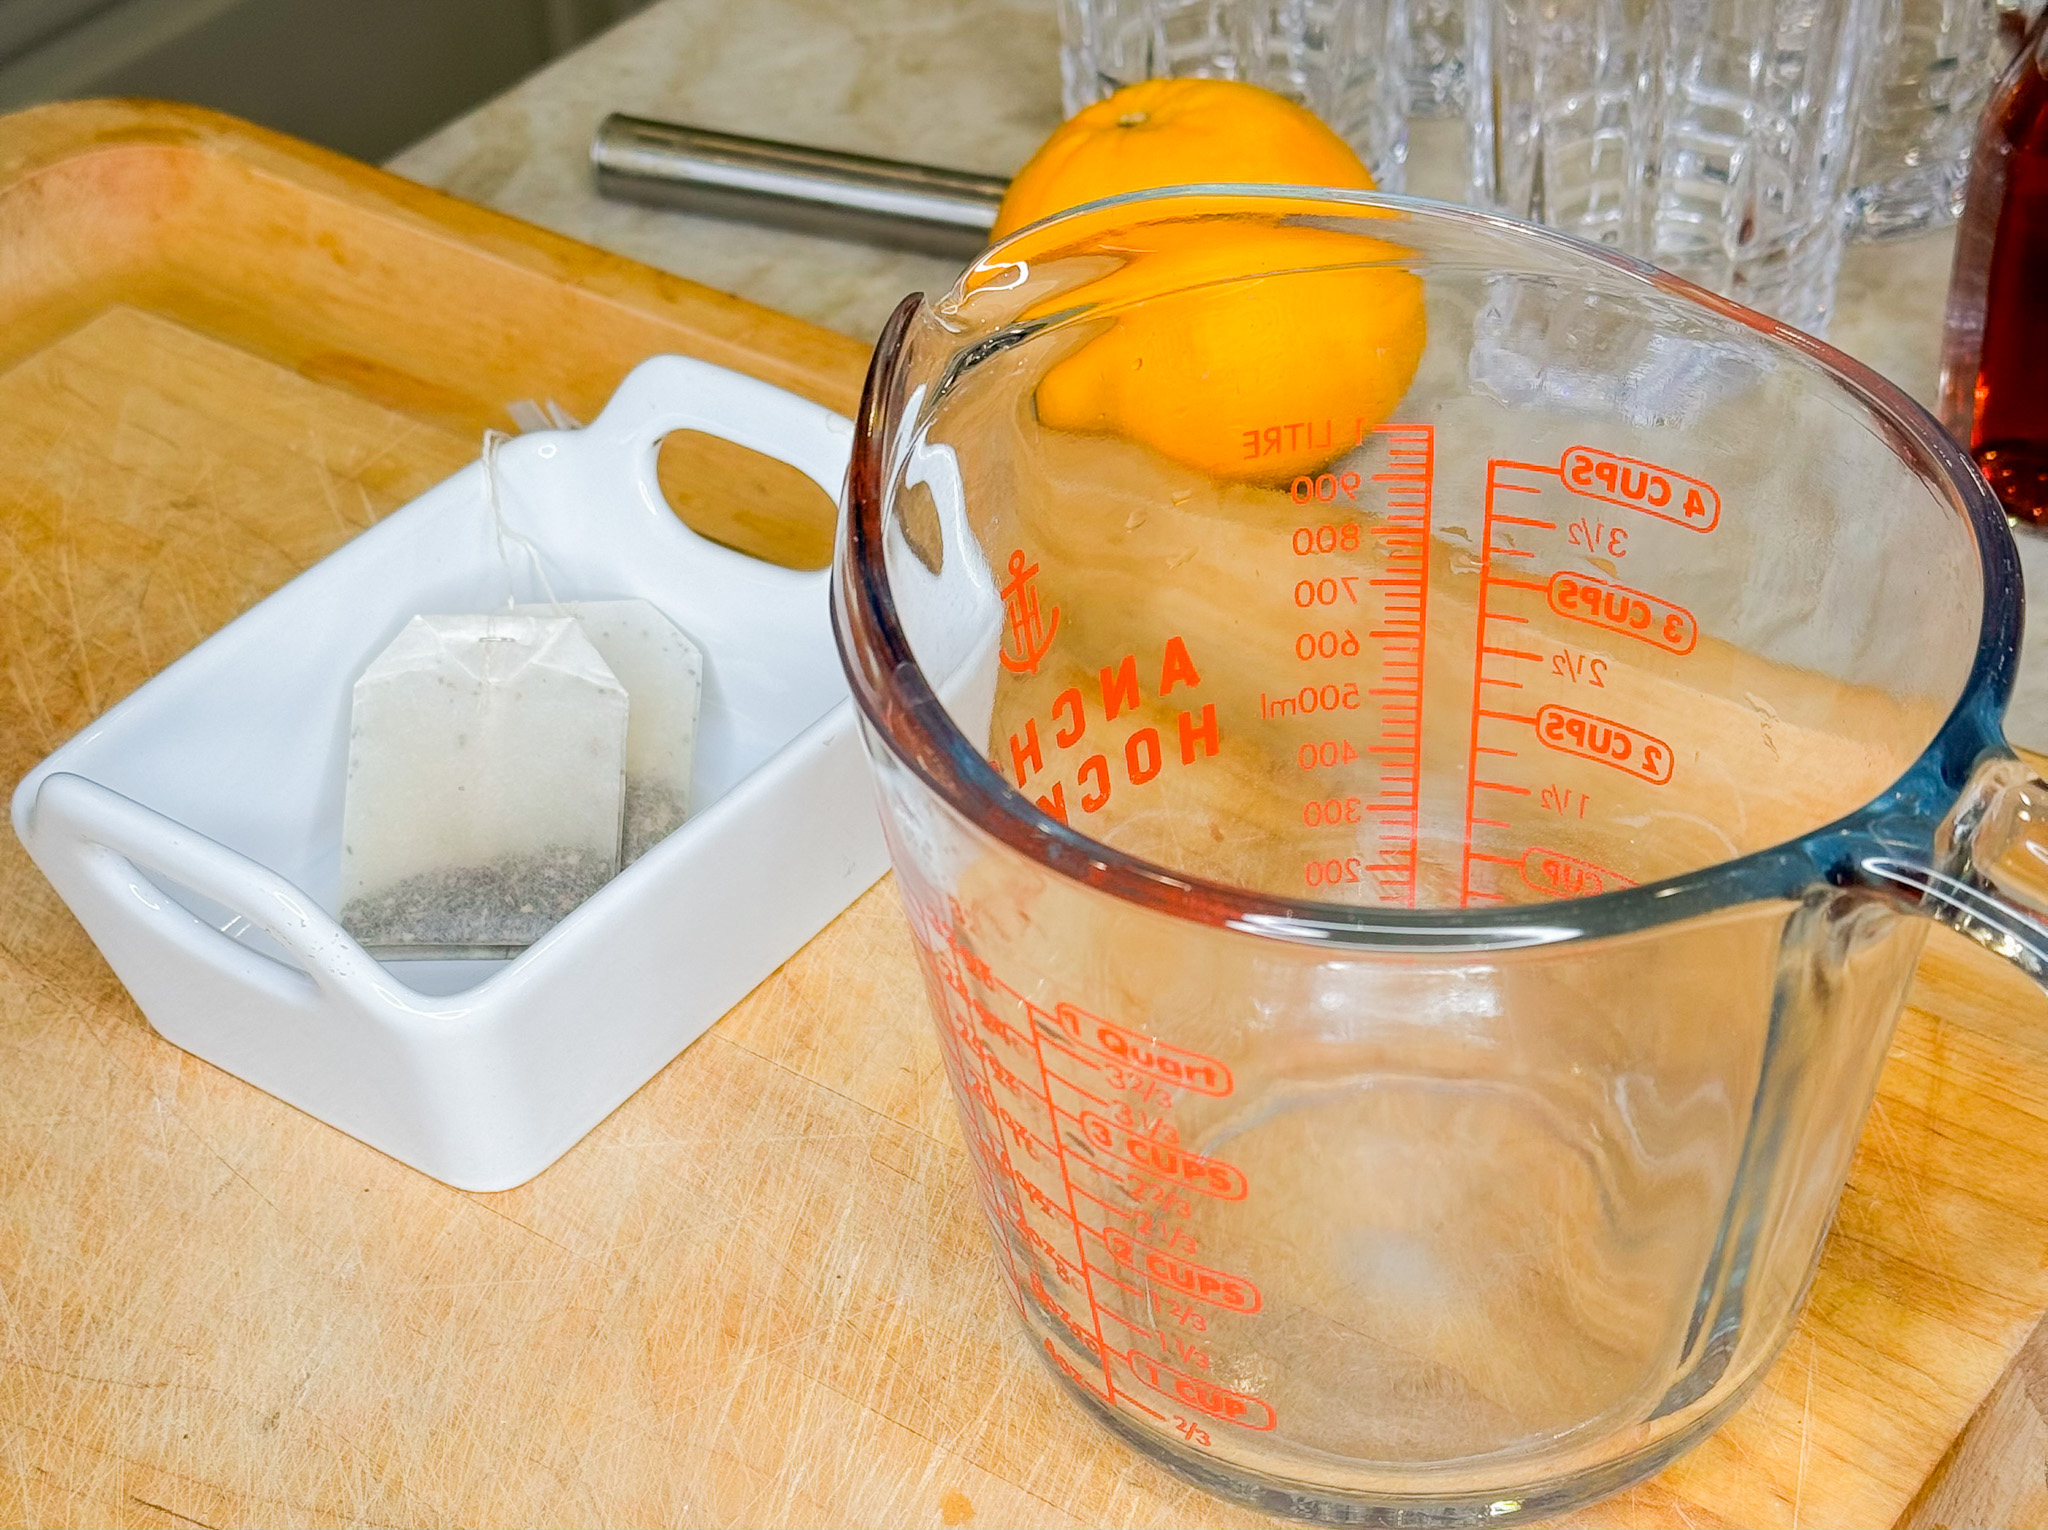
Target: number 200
(1330, 873)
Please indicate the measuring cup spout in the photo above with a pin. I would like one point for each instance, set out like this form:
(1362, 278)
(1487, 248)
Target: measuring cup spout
(1991, 878)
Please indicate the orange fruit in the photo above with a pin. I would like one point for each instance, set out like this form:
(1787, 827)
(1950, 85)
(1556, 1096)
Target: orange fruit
(1258, 378)
(1239, 343)
(1177, 133)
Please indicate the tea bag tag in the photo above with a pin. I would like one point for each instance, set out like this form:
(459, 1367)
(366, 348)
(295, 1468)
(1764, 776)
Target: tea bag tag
(486, 783)
(663, 673)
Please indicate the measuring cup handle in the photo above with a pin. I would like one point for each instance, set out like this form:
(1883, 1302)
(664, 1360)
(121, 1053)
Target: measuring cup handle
(1991, 877)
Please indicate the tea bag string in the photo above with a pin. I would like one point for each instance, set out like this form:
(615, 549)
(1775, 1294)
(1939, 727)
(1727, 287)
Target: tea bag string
(502, 533)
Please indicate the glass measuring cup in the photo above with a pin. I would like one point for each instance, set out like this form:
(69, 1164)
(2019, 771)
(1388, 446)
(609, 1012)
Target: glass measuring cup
(1409, 747)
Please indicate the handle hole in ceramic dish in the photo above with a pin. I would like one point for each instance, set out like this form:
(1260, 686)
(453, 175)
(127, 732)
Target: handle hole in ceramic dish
(437, 978)
(744, 500)
(919, 525)
(231, 923)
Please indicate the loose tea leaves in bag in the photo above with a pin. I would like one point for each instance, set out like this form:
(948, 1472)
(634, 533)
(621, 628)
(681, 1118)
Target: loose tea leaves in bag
(663, 674)
(486, 785)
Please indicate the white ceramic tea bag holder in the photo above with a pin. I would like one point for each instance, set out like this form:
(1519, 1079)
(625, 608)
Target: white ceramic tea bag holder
(194, 829)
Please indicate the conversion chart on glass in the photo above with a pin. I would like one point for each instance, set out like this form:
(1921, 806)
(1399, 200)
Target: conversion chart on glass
(1074, 1142)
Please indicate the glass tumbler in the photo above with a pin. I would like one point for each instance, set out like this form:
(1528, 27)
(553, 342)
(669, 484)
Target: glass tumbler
(1412, 749)
(1931, 72)
(1712, 137)
(1345, 60)
(1437, 67)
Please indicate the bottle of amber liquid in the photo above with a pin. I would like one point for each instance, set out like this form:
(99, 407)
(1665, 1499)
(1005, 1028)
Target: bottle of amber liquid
(1994, 363)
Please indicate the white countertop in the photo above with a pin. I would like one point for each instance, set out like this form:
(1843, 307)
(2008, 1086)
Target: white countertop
(972, 84)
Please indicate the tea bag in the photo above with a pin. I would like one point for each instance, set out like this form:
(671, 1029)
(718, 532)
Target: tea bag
(663, 674)
(486, 785)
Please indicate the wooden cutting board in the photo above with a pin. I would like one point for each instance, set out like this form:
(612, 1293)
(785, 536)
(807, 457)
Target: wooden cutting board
(761, 1292)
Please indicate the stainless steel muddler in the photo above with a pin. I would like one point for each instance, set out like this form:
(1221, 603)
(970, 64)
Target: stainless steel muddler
(813, 191)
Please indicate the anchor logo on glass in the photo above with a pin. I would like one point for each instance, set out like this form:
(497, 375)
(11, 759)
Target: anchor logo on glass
(1031, 634)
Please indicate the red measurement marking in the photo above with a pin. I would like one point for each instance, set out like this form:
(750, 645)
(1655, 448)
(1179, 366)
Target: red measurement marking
(1097, 1272)
(1086, 1094)
(1020, 1133)
(1329, 537)
(1643, 486)
(1570, 731)
(1552, 871)
(1071, 1272)
(1096, 1200)
(1334, 872)
(1490, 654)
(1116, 1175)
(947, 959)
(1329, 434)
(1135, 1065)
(1174, 1065)
(1598, 537)
(1325, 488)
(1142, 1329)
(1029, 1188)
(1218, 1287)
(1205, 1396)
(1615, 608)
(1053, 1354)
(1409, 483)
(1074, 1327)
(1211, 1176)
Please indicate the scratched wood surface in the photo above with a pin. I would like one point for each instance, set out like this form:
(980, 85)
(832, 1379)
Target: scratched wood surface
(760, 1292)
(1997, 1471)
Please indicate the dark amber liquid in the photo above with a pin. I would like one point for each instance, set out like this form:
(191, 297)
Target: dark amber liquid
(2009, 432)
